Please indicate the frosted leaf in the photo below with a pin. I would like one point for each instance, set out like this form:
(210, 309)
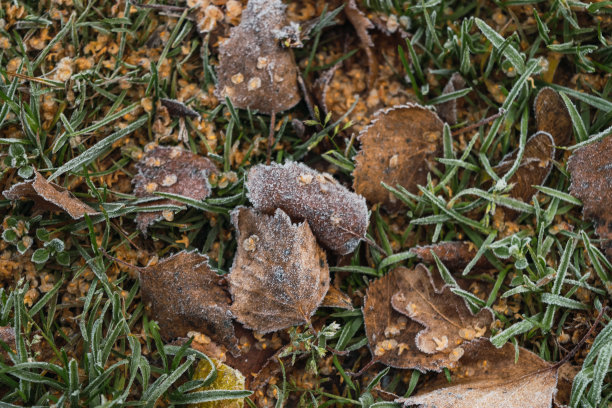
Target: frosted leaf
(397, 148)
(448, 321)
(268, 72)
(282, 281)
(178, 109)
(336, 298)
(362, 24)
(184, 294)
(337, 216)
(591, 170)
(552, 116)
(489, 377)
(48, 196)
(448, 110)
(453, 254)
(170, 170)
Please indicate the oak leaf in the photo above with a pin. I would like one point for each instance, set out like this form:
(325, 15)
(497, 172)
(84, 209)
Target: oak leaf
(280, 275)
(552, 116)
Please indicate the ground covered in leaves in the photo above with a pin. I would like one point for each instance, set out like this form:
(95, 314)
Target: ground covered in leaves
(378, 203)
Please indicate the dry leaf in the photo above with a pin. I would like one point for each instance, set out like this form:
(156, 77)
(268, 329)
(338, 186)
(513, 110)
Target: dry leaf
(254, 70)
(449, 324)
(448, 110)
(7, 336)
(397, 148)
(337, 216)
(591, 170)
(566, 375)
(391, 335)
(280, 274)
(362, 24)
(489, 377)
(178, 109)
(336, 298)
(170, 170)
(552, 116)
(184, 294)
(453, 254)
(48, 196)
(227, 379)
(534, 168)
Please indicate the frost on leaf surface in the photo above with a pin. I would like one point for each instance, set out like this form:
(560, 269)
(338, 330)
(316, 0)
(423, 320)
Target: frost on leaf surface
(534, 167)
(453, 254)
(280, 275)
(489, 377)
(391, 335)
(449, 324)
(48, 196)
(170, 170)
(183, 294)
(227, 379)
(552, 116)
(591, 170)
(397, 148)
(337, 216)
(254, 71)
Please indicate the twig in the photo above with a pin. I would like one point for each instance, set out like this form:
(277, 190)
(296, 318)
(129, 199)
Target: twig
(363, 369)
(112, 258)
(479, 123)
(271, 137)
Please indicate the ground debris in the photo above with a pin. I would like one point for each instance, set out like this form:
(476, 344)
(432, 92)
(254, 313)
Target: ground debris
(454, 255)
(552, 116)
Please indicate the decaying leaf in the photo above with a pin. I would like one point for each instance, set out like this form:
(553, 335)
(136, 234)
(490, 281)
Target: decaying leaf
(489, 377)
(362, 24)
(178, 108)
(184, 294)
(7, 336)
(453, 254)
(391, 335)
(336, 298)
(449, 324)
(170, 170)
(254, 70)
(552, 116)
(227, 379)
(534, 168)
(448, 110)
(337, 216)
(280, 274)
(397, 148)
(591, 170)
(48, 196)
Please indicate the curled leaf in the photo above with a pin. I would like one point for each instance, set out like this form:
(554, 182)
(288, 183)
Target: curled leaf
(178, 108)
(48, 196)
(448, 110)
(398, 148)
(337, 216)
(362, 24)
(170, 170)
(453, 254)
(336, 298)
(280, 274)
(227, 379)
(552, 116)
(254, 71)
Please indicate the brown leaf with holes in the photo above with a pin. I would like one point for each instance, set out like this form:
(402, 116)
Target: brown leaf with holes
(449, 324)
(362, 24)
(184, 294)
(391, 335)
(48, 196)
(397, 148)
(448, 110)
(591, 170)
(337, 216)
(552, 116)
(170, 170)
(336, 298)
(534, 167)
(489, 377)
(280, 275)
(254, 70)
(453, 254)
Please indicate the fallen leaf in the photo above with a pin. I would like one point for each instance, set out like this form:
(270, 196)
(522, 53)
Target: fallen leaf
(449, 324)
(534, 167)
(489, 377)
(254, 71)
(337, 216)
(391, 335)
(336, 298)
(552, 116)
(566, 375)
(7, 336)
(184, 294)
(448, 110)
(178, 109)
(591, 170)
(362, 24)
(397, 148)
(170, 170)
(48, 196)
(453, 254)
(280, 275)
(227, 379)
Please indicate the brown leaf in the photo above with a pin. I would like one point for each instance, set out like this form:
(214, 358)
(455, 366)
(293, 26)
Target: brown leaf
(453, 254)
(566, 375)
(337, 216)
(178, 108)
(448, 110)
(280, 275)
(397, 148)
(362, 24)
(254, 70)
(534, 168)
(183, 294)
(7, 336)
(48, 196)
(448, 322)
(552, 116)
(591, 170)
(391, 336)
(170, 170)
(336, 298)
(489, 377)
